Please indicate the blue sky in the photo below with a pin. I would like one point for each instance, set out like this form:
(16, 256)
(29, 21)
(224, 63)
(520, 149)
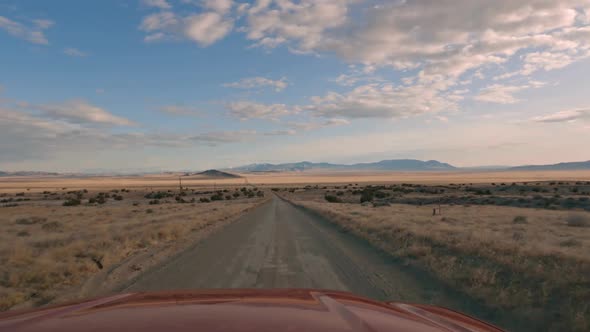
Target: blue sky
(195, 84)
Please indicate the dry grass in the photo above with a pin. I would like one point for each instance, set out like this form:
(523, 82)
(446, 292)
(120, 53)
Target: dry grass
(326, 177)
(46, 248)
(578, 220)
(524, 260)
(14, 184)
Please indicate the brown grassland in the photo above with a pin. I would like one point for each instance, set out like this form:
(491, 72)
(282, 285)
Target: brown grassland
(533, 262)
(17, 183)
(50, 252)
(517, 241)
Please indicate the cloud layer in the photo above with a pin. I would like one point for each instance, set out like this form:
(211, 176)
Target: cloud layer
(81, 112)
(204, 28)
(246, 110)
(33, 31)
(420, 61)
(565, 116)
(258, 82)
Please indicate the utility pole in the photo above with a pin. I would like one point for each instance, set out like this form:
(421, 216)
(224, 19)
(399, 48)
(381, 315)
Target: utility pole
(180, 183)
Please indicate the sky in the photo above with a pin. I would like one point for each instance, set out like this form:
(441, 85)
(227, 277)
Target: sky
(195, 84)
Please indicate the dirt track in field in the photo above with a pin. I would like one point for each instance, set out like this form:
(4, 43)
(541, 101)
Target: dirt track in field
(278, 245)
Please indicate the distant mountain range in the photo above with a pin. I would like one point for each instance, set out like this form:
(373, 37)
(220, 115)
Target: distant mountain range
(384, 165)
(573, 166)
(403, 165)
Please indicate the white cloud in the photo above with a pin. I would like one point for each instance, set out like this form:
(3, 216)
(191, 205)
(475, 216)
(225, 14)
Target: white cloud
(219, 137)
(159, 21)
(314, 125)
(546, 61)
(453, 36)
(246, 110)
(179, 110)
(336, 122)
(440, 40)
(207, 28)
(356, 75)
(504, 94)
(33, 33)
(56, 130)
(271, 23)
(154, 37)
(500, 94)
(81, 112)
(162, 4)
(565, 116)
(219, 6)
(384, 101)
(280, 132)
(346, 79)
(21, 118)
(446, 44)
(74, 52)
(31, 136)
(258, 82)
(25, 137)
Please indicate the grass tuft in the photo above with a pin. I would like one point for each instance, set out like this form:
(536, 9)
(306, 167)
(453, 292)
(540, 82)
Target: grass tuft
(578, 220)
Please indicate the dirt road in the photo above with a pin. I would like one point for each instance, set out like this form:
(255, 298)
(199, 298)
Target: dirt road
(278, 245)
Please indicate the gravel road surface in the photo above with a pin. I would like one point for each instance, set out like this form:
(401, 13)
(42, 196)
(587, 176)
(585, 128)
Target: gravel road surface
(278, 245)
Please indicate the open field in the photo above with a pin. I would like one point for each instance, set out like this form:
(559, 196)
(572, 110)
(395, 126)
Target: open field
(484, 240)
(413, 177)
(74, 244)
(516, 242)
(145, 182)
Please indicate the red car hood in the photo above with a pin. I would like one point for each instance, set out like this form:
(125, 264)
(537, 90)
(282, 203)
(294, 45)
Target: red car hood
(240, 310)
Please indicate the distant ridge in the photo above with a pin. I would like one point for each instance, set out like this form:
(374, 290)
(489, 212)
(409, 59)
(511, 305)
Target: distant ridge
(384, 165)
(571, 166)
(213, 173)
(27, 173)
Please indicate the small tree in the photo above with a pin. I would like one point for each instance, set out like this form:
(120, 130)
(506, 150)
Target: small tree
(72, 202)
(367, 196)
(332, 199)
(217, 197)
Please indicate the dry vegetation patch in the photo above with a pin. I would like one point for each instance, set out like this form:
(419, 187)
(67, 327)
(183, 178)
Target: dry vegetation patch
(50, 245)
(534, 262)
